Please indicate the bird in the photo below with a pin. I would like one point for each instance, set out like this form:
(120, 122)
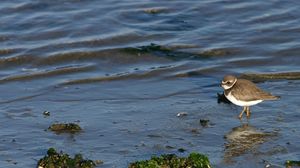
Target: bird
(244, 93)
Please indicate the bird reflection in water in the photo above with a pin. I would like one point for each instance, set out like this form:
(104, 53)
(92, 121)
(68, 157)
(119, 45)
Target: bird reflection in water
(243, 139)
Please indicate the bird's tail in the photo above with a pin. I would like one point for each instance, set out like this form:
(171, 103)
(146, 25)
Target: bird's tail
(271, 97)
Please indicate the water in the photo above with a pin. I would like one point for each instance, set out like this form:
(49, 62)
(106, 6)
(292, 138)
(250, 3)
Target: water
(123, 70)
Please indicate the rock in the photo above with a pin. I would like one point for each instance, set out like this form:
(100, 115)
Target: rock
(65, 128)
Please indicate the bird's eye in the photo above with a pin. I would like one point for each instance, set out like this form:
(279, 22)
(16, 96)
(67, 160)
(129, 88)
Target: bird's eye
(228, 82)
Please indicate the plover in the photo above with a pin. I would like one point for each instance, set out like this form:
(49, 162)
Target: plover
(244, 93)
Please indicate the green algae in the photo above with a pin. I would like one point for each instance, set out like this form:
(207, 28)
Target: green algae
(54, 159)
(194, 160)
(65, 128)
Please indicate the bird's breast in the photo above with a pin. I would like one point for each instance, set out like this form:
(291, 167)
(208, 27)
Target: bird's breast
(238, 102)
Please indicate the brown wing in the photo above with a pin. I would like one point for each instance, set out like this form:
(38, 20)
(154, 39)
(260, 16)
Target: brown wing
(248, 91)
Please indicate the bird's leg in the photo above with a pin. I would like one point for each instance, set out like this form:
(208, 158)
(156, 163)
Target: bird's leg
(248, 112)
(241, 114)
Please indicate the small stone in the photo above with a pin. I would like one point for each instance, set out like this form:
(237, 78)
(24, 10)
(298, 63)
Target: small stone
(195, 130)
(46, 113)
(97, 162)
(204, 122)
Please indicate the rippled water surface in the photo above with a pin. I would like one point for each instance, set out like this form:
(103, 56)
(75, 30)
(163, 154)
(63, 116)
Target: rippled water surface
(123, 70)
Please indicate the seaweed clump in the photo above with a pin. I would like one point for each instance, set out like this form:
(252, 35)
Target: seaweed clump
(54, 159)
(292, 163)
(65, 128)
(155, 10)
(194, 160)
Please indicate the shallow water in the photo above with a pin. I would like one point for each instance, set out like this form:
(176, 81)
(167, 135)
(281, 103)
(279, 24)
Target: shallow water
(124, 70)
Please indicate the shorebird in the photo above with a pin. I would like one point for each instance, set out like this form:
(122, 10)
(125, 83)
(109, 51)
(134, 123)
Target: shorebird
(244, 93)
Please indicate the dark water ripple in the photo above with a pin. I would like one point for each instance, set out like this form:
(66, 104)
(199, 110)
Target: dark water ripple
(126, 68)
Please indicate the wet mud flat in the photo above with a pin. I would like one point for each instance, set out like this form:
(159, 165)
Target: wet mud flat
(136, 115)
(142, 79)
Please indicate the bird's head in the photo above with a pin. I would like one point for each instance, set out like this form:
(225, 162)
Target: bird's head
(228, 81)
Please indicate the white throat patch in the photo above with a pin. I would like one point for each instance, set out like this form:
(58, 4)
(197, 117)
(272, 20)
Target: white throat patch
(228, 87)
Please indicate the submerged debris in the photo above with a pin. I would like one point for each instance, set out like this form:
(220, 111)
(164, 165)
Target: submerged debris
(65, 128)
(216, 52)
(160, 50)
(145, 49)
(181, 150)
(271, 76)
(54, 159)
(194, 160)
(176, 51)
